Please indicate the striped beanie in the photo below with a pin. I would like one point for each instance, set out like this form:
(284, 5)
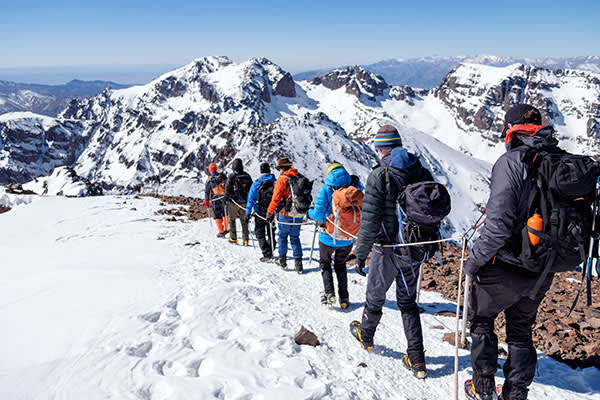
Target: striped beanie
(387, 138)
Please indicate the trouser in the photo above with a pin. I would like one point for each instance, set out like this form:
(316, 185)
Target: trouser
(218, 209)
(340, 255)
(291, 231)
(236, 212)
(503, 287)
(265, 232)
(385, 268)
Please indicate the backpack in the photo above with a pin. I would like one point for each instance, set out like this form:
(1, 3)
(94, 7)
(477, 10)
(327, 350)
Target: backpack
(217, 184)
(265, 193)
(421, 207)
(300, 199)
(346, 204)
(241, 187)
(563, 192)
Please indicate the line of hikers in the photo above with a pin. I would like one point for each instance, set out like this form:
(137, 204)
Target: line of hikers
(511, 264)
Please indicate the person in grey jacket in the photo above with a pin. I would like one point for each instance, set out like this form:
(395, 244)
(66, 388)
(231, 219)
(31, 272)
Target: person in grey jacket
(499, 283)
(379, 224)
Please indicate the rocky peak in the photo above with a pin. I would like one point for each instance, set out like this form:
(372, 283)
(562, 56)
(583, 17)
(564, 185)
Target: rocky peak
(357, 80)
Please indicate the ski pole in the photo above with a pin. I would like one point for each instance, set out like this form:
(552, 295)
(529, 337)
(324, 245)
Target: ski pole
(465, 311)
(419, 279)
(212, 229)
(312, 247)
(270, 228)
(462, 261)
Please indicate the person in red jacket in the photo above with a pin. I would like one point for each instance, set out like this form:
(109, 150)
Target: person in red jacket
(281, 193)
(214, 193)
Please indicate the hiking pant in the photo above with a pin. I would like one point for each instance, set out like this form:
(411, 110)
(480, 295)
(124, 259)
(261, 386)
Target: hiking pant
(293, 231)
(265, 232)
(218, 208)
(236, 212)
(503, 287)
(341, 254)
(385, 268)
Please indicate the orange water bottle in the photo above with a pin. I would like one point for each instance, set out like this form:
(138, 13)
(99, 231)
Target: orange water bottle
(535, 222)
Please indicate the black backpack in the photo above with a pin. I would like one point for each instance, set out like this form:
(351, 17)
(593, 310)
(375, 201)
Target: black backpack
(241, 187)
(563, 191)
(421, 207)
(265, 194)
(300, 199)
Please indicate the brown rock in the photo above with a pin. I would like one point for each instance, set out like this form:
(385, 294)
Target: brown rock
(363, 365)
(304, 336)
(449, 338)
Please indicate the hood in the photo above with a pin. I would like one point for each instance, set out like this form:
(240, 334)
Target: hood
(399, 158)
(237, 166)
(532, 136)
(290, 172)
(266, 177)
(337, 178)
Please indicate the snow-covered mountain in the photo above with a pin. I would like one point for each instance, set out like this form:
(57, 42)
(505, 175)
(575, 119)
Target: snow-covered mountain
(47, 99)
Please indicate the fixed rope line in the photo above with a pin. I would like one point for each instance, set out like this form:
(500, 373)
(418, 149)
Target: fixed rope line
(264, 219)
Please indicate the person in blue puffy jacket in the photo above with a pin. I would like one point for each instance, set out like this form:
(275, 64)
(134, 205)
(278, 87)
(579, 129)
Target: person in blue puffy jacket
(330, 248)
(259, 198)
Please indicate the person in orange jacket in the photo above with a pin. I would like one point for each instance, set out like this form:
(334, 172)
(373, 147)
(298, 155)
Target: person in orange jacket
(214, 193)
(281, 194)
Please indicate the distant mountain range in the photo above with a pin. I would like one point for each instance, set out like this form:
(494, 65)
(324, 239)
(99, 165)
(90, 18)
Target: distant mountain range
(48, 99)
(428, 72)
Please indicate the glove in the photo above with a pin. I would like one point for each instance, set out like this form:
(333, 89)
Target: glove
(360, 267)
(206, 204)
(247, 219)
(270, 217)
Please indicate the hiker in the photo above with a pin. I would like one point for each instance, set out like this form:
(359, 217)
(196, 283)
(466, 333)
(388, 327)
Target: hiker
(380, 225)
(502, 278)
(339, 203)
(259, 198)
(291, 199)
(214, 198)
(236, 193)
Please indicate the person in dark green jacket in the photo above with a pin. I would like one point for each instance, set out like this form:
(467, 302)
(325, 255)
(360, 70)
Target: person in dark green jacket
(379, 225)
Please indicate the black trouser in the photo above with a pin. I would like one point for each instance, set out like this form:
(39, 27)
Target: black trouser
(385, 268)
(340, 254)
(503, 287)
(264, 232)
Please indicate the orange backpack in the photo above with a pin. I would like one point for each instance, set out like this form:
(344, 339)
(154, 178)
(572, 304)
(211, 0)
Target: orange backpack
(344, 221)
(218, 188)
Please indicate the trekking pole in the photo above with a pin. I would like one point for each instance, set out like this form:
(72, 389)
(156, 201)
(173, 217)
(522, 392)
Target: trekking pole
(312, 247)
(212, 229)
(462, 261)
(465, 311)
(419, 279)
(593, 238)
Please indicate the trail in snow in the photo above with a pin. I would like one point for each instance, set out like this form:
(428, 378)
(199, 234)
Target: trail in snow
(103, 309)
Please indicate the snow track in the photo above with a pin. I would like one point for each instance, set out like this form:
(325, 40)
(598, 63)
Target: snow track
(98, 308)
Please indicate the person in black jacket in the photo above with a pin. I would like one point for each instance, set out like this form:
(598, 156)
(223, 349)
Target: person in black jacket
(499, 283)
(236, 194)
(379, 225)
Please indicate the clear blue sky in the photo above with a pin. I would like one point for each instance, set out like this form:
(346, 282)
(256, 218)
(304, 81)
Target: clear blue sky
(298, 35)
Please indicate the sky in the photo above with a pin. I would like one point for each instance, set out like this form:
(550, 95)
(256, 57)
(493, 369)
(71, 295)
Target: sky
(155, 36)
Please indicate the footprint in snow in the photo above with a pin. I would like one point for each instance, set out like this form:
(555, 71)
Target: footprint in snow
(172, 329)
(170, 368)
(151, 317)
(205, 367)
(156, 391)
(141, 350)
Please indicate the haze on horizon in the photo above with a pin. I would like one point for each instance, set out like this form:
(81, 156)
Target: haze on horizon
(133, 41)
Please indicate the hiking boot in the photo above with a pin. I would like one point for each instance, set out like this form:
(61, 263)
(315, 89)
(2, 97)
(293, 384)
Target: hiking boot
(265, 259)
(344, 303)
(418, 370)
(282, 262)
(221, 235)
(473, 395)
(327, 299)
(357, 333)
(245, 243)
(233, 241)
(298, 265)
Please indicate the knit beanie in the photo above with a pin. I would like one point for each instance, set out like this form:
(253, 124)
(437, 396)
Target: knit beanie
(265, 168)
(387, 138)
(212, 168)
(333, 166)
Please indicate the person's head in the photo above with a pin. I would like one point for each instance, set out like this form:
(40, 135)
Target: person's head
(265, 168)
(237, 166)
(333, 166)
(283, 164)
(521, 114)
(212, 168)
(386, 139)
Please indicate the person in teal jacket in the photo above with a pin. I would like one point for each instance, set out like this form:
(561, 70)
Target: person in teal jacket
(329, 249)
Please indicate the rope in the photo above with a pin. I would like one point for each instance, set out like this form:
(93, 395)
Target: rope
(460, 271)
(450, 239)
(340, 228)
(279, 222)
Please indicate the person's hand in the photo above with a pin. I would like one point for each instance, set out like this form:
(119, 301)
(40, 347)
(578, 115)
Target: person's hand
(360, 267)
(247, 219)
(206, 204)
(270, 217)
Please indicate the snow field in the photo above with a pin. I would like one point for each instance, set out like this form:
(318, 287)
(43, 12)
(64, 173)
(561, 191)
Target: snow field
(98, 308)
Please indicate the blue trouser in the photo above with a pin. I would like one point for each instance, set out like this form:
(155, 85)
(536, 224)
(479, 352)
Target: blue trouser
(293, 231)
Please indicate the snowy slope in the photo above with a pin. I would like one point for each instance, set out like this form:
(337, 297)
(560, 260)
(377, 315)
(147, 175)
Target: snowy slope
(156, 319)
